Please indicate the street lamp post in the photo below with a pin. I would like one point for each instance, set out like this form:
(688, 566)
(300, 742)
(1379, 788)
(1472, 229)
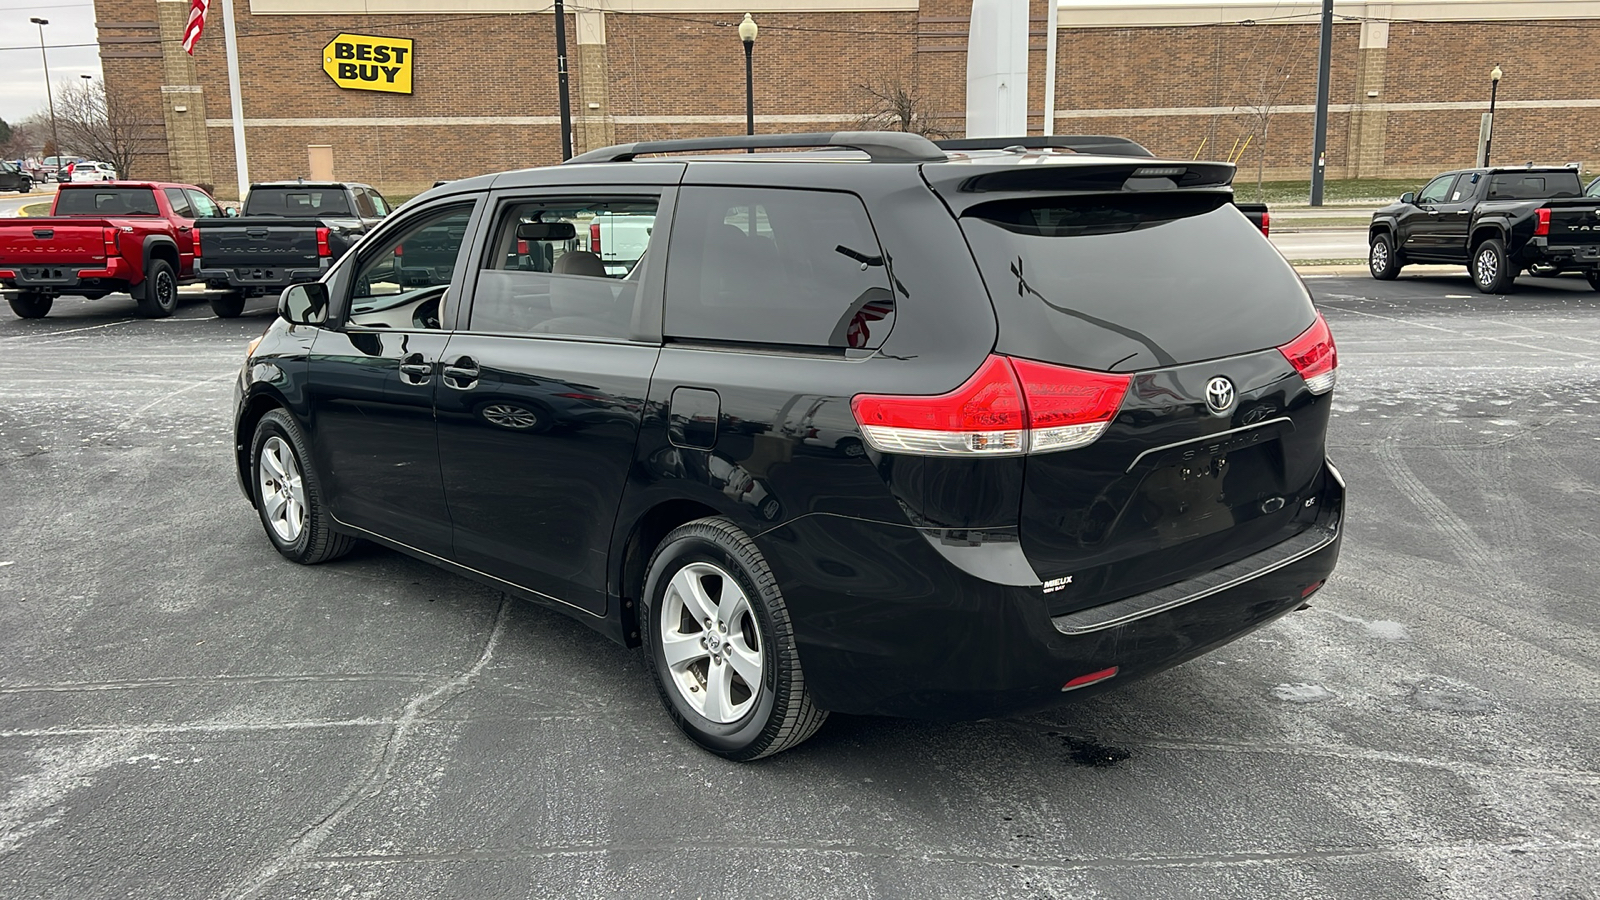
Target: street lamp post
(55, 137)
(747, 33)
(1494, 88)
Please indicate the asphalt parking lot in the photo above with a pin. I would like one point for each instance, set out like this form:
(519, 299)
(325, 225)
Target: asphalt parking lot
(184, 714)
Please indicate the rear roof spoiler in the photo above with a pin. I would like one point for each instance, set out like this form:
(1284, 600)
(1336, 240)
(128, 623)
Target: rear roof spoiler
(1103, 144)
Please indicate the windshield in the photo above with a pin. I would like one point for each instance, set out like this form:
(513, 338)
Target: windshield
(106, 202)
(1534, 185)
(297, 201)
(1123, 282)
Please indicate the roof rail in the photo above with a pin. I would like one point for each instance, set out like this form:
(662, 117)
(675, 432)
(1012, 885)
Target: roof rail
(880, 146)
(1082, 143)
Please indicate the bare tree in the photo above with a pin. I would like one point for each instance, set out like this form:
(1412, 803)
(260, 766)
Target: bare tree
(898, 107)
(95, 129)
(25, 141)
(1266, 97)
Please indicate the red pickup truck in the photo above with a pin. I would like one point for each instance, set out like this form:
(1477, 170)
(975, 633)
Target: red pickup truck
(134, 236)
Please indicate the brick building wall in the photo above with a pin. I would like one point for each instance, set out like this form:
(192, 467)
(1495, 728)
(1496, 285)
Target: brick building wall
(485, 96)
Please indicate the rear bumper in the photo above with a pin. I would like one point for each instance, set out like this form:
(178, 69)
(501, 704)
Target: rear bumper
(886, 626)
(1571, 256)
(262, 278)
(114, 274)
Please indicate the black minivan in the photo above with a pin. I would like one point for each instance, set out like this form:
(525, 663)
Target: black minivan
(879, 428)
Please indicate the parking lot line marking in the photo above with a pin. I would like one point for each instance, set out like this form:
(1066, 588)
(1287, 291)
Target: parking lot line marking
(18, 337)
(1460, 334)
(183, 390)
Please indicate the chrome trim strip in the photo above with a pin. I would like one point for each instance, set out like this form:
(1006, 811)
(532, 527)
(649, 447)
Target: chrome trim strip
(455, 565)
(1204, 438)
(1063, 623)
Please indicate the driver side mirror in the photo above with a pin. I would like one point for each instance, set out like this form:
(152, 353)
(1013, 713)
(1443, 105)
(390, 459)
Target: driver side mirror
(1408, 197)
(304, 304)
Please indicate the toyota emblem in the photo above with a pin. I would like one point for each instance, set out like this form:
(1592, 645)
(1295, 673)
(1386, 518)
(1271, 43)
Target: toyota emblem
(1219, 395)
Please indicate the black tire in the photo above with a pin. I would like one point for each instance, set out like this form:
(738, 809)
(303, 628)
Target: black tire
(314, 541)
(31, 304)
(159, 295)
(1594, 278)
(1492, 272)
(26, 187)
(229, 305)
(778, 713)
(1383, 260)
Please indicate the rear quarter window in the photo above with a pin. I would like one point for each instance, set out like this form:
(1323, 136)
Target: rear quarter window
(776, 266)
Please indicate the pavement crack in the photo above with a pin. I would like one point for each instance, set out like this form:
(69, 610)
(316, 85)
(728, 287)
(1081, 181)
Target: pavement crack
(385, 760)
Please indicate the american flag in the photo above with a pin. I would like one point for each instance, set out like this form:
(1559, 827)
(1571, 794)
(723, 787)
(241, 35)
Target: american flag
(196, 23)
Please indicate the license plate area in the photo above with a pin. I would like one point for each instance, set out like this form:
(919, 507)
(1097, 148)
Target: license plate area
(258, 274)
(1205, 490)
(47, 275)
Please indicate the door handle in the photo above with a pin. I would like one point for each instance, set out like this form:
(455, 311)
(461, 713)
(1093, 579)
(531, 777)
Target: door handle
(461, 374)
(415, 370)
(1462, 212)
(185, 228)
(1433, 212)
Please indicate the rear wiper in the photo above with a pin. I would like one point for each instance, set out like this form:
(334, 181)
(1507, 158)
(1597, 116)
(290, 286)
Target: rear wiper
(858, 256)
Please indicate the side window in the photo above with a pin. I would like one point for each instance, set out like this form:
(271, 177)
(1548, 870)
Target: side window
(204, 207)
(1462, 191)
(364, 204)
(776, 266)
(180, 203)
(396, 284)
(1437, 190)
(564, 266)
(378, 203)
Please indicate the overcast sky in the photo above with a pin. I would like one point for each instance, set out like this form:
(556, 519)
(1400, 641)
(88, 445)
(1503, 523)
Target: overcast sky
(21, 73)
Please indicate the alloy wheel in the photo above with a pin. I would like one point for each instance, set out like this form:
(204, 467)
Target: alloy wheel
(1379, 259)
(1488, 267)
(711, 643)
(283, 494)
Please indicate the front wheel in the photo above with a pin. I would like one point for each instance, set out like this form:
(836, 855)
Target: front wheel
(1382, 258)
(721, 645)
(229, 305)
(31, 304)
(1491, 268)
(288, 493)
(159, 297)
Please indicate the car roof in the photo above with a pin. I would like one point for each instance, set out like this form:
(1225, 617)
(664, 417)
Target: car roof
(308, 184)
(102, 185)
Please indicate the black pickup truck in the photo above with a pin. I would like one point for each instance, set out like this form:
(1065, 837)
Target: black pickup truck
(290, 233)
(1497, 222)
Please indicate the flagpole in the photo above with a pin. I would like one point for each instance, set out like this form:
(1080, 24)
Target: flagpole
(231, 45)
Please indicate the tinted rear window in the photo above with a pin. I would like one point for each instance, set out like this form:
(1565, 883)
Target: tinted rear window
(106, 202)
(1533, 185)
(1123, 282)
(297, 201)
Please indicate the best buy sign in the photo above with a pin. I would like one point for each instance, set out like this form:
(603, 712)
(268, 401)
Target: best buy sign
(362, 62)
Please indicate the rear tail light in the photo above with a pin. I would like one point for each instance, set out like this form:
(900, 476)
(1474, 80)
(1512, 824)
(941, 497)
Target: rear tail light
(113, 248)
(322, 244)
(196, 234)
(522, 248)
(1314, 356)
(1266, 222)
(1007, 408)
(594, 239)
(1541, 223)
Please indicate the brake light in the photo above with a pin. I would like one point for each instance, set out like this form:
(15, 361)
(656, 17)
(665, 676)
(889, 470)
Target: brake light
(594, 239)
(196, 234)
(1008, 407)
(113, 248)
(322, 244)
(1266, 222)
(1541, 223)
(1314, 356)
(522, 248)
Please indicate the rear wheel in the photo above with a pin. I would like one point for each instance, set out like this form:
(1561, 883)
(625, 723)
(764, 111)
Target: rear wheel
(229, 305)
(31, 304)
(1492, 272)
(159, 298)
(721, 645)
(1382, 258)
(288, 493)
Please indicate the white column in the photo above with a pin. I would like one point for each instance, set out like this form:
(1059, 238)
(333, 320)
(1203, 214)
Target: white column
(241, 162)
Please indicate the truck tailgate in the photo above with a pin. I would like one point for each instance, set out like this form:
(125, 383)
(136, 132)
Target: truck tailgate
(1574, 221)
(64, 241)
(279, 243)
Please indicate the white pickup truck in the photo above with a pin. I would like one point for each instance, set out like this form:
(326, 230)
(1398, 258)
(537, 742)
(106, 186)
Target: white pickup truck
(619, 239)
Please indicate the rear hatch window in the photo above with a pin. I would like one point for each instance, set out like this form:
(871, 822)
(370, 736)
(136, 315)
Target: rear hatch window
(1130, 281)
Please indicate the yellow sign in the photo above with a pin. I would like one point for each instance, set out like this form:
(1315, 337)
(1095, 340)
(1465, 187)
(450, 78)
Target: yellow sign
(361, 62)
